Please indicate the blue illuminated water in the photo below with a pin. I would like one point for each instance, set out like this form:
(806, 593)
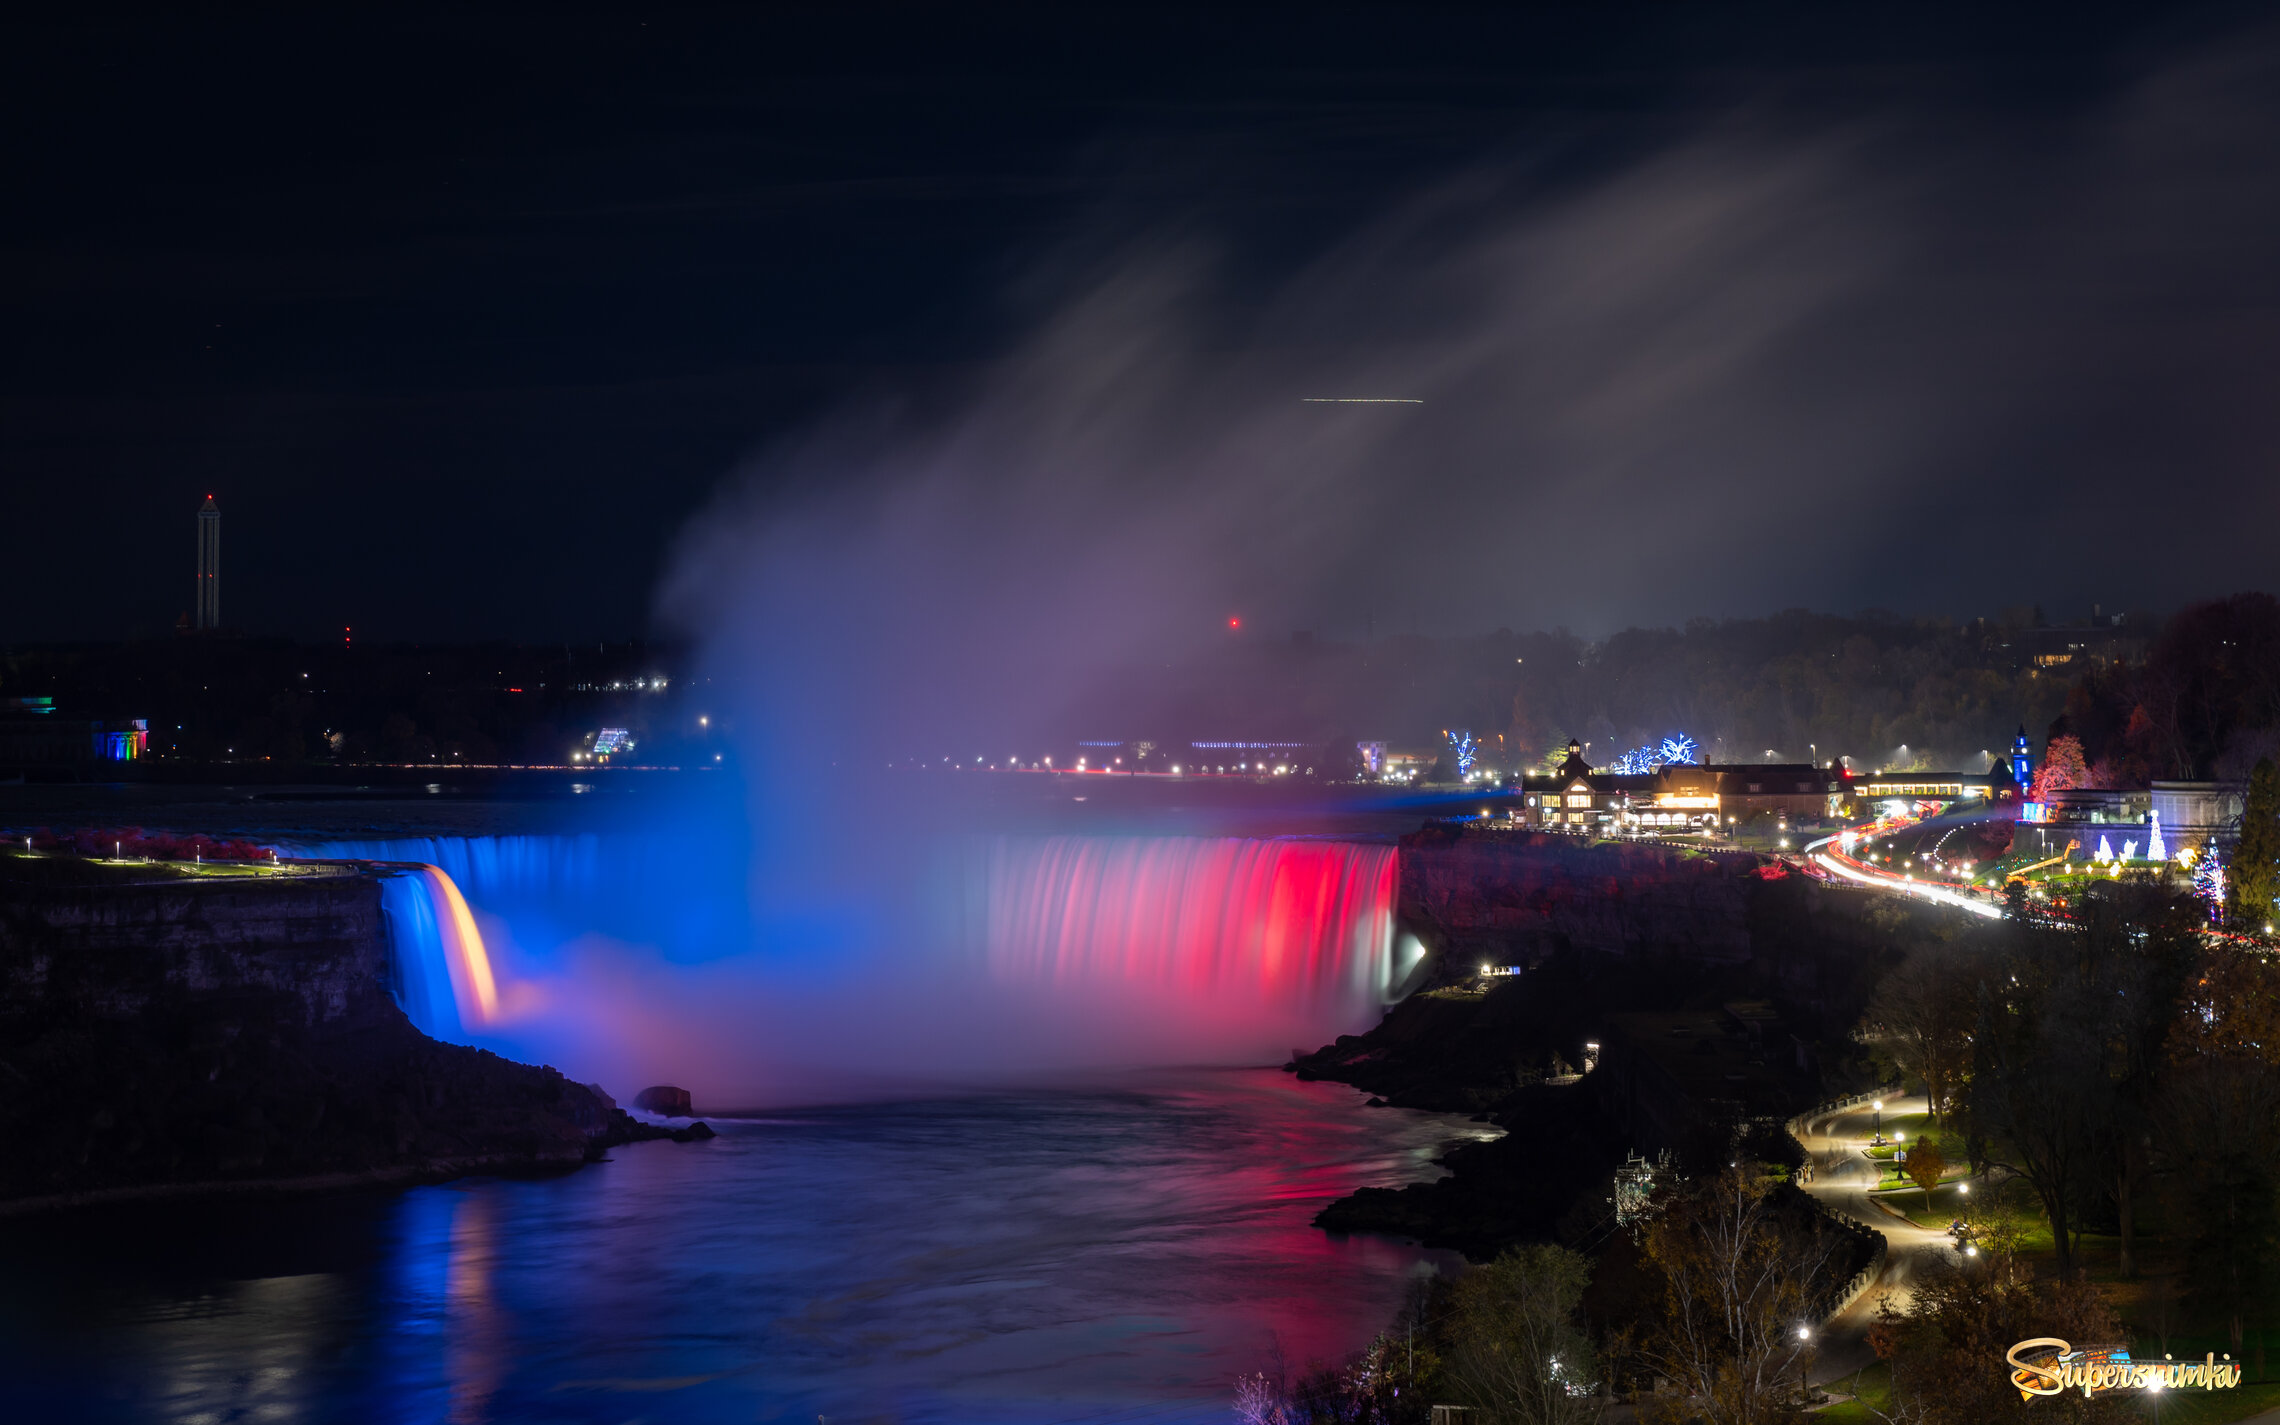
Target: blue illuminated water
(1119, 1254)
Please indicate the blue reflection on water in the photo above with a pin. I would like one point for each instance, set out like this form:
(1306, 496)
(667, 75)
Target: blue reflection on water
(1082, 1256)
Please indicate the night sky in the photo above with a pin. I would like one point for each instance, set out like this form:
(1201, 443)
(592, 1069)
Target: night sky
(1714, 310)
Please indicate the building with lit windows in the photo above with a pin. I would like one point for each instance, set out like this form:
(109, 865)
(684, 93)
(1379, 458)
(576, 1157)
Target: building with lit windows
(1675, 799)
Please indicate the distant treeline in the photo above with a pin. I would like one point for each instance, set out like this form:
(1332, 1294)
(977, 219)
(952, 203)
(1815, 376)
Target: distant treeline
(2182, 696)
(2194, 695)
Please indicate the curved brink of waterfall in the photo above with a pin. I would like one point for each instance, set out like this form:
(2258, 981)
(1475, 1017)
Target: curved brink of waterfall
(641, 958)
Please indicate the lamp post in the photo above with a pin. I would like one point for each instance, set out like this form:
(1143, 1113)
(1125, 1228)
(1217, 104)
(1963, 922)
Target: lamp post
(1878, 1140)
(1804, 1355)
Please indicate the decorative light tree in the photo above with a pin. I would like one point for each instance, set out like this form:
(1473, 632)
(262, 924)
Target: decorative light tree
(2155, 848)
(1462, 744)
(1675, 750)
(2209, 881)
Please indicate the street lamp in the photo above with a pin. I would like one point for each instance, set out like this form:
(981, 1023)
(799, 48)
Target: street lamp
(1804, 1351)
(1879, 1139)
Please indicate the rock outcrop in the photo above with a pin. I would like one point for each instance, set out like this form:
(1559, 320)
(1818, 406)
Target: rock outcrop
(665, 1101)
(164, 1030)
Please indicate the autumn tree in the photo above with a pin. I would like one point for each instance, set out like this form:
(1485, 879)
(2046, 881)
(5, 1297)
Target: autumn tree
(1925, 1164)
(2062, 767)
(1946, 1349)
(1740, 1279)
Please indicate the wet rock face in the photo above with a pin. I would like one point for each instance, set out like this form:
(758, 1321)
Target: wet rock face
(665, 1100)
(157, 1032)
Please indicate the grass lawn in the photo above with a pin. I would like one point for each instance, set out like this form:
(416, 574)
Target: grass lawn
(2207, 1407)
(1948, 1203)
(1871, 1391)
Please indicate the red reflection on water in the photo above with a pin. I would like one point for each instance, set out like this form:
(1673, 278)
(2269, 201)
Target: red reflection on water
(1286, 922)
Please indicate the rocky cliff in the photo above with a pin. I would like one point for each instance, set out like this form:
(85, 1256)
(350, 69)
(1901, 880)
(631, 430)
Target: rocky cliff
(1517, 896)
(165, 1028)
(1601, 932)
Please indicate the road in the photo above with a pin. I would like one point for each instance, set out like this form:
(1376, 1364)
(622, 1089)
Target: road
(1833, 855)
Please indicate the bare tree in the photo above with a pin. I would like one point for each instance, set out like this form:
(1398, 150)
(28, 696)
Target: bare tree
(1741, 1284)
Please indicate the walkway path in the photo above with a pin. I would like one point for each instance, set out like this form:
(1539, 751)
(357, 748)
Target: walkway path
(1841, 1180)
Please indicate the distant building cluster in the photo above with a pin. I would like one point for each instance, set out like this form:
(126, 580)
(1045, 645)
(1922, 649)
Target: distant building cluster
(1675, 798)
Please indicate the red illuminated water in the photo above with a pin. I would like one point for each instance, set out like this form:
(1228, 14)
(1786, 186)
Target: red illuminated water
(1288, 923)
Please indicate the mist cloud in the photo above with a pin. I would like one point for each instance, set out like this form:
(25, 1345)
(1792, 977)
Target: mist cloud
(1939, 365)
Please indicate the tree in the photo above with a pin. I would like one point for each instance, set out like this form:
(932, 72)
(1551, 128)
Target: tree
(1741, 1281)
(1514, 1349)
(1922, 1016)
(2253, 894)
(2062, 767)
(1925, 1164)
(2069, 1037)
(1946, 1349)
(2219, 1123)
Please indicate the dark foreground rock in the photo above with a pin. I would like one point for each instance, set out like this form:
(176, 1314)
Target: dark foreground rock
(1555, 1152)
(163, 1032)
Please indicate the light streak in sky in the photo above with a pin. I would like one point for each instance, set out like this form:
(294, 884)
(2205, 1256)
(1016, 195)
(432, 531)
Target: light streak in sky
(1361, 400)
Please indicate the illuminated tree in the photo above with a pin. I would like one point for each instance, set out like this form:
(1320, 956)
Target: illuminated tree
(1925, 1164)
(2209, 881)
(1464, 749)
(2062, 768)
(1676, 749)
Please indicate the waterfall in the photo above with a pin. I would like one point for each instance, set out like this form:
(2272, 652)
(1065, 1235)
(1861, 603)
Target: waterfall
(649, 957)
(1301, 922)
(440, 967)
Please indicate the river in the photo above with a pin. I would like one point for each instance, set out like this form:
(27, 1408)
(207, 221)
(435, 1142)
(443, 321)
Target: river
(1114, 1254)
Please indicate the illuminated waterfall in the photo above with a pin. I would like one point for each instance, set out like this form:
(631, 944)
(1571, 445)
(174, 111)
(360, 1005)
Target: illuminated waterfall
(645, 957)
(1293, 922)
(442, 970)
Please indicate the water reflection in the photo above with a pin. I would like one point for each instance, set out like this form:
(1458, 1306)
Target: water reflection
(1110, 1254)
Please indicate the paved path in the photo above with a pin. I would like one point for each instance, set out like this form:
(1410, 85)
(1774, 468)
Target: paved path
(1841, 1180)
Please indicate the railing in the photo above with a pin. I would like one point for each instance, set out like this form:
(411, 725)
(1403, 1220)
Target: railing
(1880, 1245)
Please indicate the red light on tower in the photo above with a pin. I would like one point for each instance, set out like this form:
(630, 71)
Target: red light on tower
(1234, 623)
